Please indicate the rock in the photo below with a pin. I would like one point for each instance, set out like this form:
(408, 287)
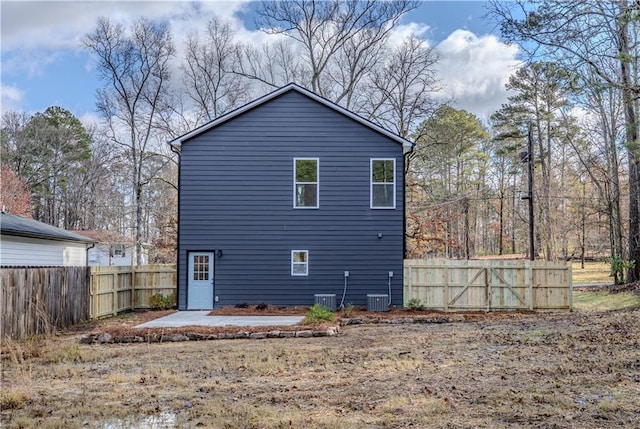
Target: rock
(352, 321)
(173, 338)
(304, 334)
(287, 334)
(258, 335)
(136, 339)
(273, 334)
(240, 335)
(197, 337)
(88, 339)
(104, 338)
(319, 333)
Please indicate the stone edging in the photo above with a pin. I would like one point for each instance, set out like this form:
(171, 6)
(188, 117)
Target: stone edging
(106, 338)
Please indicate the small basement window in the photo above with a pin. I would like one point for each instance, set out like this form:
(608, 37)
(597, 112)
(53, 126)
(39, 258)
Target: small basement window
(305, 183)
(299, 262)
(383, 183)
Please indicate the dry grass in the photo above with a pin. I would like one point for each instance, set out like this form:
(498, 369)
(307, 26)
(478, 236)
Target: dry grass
(593, 272)
(579, 370)
(602, 300)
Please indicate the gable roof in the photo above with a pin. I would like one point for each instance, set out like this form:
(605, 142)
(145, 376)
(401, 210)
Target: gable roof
(103, 236)
(26, 227)
(177, 143)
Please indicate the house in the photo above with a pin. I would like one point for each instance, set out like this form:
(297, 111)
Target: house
(26, 242)
(113, 249)
(288, 197)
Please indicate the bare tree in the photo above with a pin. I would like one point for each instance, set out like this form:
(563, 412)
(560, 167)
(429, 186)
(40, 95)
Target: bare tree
(135, 66)
(401, 90)
(338, 41)
(207, 72)
(272, 65)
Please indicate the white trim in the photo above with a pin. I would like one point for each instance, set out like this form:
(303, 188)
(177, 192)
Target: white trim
(306, 264)
(177, 143)
(371, 183)
(317, 183)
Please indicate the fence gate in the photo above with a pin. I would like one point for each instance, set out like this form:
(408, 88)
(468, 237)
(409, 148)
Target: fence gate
(488, 284)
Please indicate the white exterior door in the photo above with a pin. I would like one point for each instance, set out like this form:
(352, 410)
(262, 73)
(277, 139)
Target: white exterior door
(200, 281)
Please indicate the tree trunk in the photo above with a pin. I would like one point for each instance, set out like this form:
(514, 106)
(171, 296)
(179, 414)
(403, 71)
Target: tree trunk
(632, 141)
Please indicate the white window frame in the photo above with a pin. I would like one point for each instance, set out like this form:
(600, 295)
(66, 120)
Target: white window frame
(119, 250)
(372, 183)
(305, 264)
(317, 183)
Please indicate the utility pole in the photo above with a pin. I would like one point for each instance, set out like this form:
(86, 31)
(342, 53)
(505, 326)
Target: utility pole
(528, 158)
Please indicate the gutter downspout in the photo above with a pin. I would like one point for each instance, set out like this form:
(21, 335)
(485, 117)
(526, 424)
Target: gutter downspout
(405, 172)
(86, 261)
(177, 151)
(405, 168)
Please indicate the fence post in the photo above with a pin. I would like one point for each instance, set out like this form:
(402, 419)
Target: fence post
(132, 300)
(487, 289)
(529, 271)
(114, 294)
(91, 300)
(570, 279)
(446, 288)
(410, 273)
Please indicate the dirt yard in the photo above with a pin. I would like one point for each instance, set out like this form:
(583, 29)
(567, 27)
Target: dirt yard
(570, 370)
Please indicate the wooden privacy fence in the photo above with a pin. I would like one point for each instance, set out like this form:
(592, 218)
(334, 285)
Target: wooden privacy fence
(36, 300)
(118, 289)
(453, 285)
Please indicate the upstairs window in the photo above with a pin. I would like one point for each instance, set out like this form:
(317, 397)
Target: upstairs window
(305, 183)
(383, 183)
(299, 262)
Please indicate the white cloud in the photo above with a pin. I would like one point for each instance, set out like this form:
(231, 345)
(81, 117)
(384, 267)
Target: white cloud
(401, 32)
(89, 120)
(474, 70)
(11, 97)
(31, 31)
(61, 24)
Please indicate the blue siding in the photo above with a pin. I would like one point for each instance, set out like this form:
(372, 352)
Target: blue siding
(236, 195)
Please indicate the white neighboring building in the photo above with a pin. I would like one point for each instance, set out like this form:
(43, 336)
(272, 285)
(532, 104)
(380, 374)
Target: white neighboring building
(113, 249)
(26, 242)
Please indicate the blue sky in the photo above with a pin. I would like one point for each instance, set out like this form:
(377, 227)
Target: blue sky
(43, 64)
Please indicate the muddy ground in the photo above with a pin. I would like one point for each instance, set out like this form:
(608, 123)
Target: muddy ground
(562, 370)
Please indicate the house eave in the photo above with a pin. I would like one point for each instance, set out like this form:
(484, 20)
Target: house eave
(44, 237)
(177, 143)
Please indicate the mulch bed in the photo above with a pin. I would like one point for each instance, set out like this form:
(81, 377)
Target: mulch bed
(122, 328)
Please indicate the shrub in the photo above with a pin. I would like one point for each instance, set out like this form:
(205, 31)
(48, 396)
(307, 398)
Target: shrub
(162, 302)
(317, 314)
(347, 310)
(415, 304)
(618, 268)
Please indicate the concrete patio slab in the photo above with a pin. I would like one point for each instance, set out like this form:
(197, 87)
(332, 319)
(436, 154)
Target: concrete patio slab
(201, 318)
